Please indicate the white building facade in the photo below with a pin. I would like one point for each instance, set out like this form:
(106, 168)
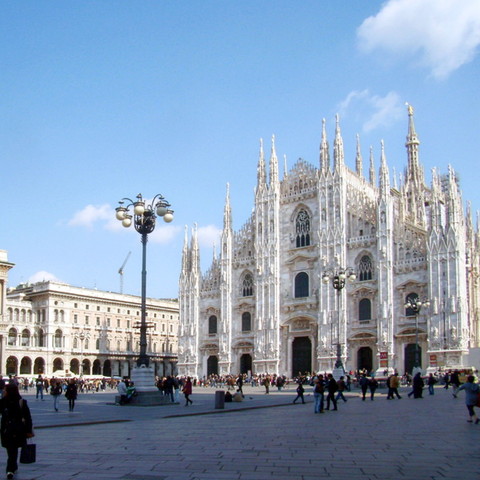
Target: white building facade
(262, 305)
(52, 328)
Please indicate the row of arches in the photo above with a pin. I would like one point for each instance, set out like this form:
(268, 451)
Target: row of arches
(302, 358)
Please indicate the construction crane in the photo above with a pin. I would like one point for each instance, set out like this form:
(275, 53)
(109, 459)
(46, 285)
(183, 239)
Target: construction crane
(120, 271)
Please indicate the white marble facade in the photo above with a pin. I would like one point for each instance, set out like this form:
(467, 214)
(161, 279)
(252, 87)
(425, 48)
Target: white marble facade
(262, 305)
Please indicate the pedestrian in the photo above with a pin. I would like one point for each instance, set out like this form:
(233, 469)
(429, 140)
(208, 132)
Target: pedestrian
(393, 384)
(431, 381)
(300, 391)
(16, 425)
(39, 386)
(446, 379)
(176, 388)
(455, 381)
(266, 384)
(332, 389)
(318, 392)
(240, 384)
(56, 391)
(187, 391)
(418, 385)
(363, 385)
(372, 385)
(2, 385)
(71, 394)
(341, 388)
(471, 397)
(122, 391)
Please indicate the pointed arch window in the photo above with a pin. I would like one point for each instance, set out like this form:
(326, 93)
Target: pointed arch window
(247, 285)
(301, 285)
(302, 229)
(212, 325)
(246, 322)
(365, 269)
(364, 310)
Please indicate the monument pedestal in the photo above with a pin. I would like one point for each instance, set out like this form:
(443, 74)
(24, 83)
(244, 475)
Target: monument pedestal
(147, 393)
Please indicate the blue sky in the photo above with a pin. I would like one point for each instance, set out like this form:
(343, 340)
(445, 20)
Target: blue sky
(101, 100)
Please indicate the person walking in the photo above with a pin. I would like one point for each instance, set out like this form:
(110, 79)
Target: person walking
(332, 389)
(393, 387)
(16, 425)
(56, 391)
(341, 388)
(363, 385)
(187, 391)
(418, 385)
(431, 381)
(455, 382)
(39, 386)
(71, 394)
(372, 385)
(300, 391)
(318, 392)
(471, 397)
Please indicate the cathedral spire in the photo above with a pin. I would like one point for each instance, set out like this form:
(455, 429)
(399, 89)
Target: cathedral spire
(273, 164)
(372, 167)
(285, 168)
(227, 213)
(358, 158)
(414, 173)
(384, 173)
(324, 150)
(338, 153)
(261, 169)
(195, 251)
(185, 252)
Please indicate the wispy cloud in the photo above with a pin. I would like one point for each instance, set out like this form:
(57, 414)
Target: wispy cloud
(209, 236)
(42, 276)
(380, 112)
(441, 35)
(91, 214)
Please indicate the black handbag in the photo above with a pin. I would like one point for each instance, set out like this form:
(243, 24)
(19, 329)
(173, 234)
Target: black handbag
(28, 454)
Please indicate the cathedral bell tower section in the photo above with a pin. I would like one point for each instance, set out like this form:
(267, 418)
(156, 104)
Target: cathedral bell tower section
(267, 265)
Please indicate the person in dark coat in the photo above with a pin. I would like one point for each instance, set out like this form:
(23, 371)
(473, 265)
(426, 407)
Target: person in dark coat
(16, 425)
(418, 385)
(71, 394)
(187, 391)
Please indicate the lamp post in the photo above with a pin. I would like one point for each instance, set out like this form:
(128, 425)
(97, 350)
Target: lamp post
(82, 337)
(338, 277)
(415, 304)
(144, 218)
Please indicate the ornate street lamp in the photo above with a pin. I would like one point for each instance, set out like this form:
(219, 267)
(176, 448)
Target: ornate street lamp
(144, 218)
(415, 304)
(339, 277)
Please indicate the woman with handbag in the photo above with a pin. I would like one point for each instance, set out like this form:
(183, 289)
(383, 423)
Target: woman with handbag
(16, 425)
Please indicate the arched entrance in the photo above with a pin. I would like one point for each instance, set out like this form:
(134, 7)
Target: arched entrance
(107, 369)
(212, 365)
(245, 363)
(97, 367)
(25, 366)
(74, 366)
(57, 364)
(12, 366)
(410, 357)
(301, 356)
(39, 366)
(86, 367)
(365, 359)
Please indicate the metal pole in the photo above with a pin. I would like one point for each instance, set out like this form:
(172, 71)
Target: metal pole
(143, 358)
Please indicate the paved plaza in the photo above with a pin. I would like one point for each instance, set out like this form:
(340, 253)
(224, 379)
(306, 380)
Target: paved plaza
(264, 437)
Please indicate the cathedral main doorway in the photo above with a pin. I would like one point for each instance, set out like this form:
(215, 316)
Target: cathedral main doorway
(301, 355)
(410, 357)
(365, 359)
(212, 365)
(245, 363)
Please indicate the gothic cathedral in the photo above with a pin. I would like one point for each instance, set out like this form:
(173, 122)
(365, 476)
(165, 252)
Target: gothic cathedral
(271, 300)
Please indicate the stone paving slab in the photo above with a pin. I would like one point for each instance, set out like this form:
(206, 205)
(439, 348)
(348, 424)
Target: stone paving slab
(405, 439)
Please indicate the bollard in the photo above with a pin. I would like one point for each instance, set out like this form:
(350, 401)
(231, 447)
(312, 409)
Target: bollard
(219, 399)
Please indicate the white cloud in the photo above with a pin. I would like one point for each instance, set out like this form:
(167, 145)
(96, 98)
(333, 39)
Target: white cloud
(441, 35)
(92, 214)
(163, 233)
(379, 111)
(209, 236)
(42, 276)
